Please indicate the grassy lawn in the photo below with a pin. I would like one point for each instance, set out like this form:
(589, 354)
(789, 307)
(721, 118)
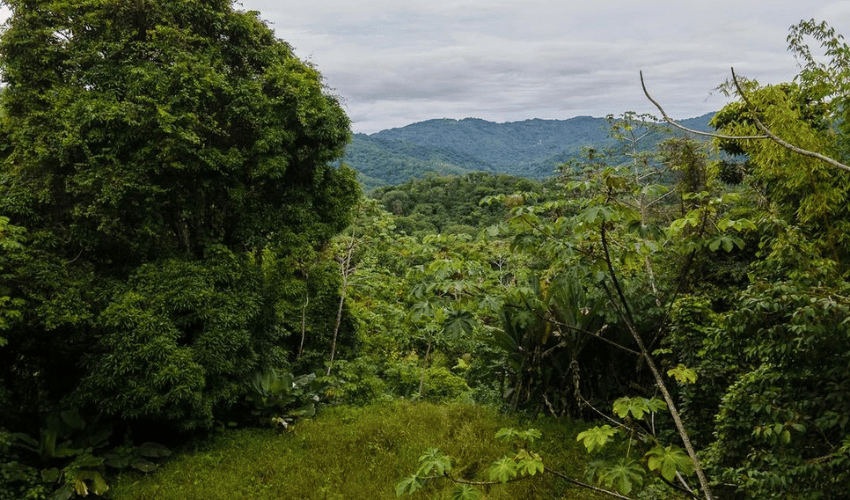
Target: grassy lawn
(358, 453)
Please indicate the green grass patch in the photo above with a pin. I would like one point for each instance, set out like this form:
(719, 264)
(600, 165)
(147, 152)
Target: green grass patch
(358, 453)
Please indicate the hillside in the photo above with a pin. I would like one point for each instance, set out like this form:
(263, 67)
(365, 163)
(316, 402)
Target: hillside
(530, 148)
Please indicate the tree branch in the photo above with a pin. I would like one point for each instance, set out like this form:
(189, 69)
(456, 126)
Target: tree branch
(690, 130)
(628, 319)
(585, 485)
(548, 471)
(778, 140)
(767, 133)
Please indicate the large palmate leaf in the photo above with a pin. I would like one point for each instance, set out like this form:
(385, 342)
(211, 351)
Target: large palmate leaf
(434, 461)
(667, 461)
(409, 485)
(503, 470)
(623, 475)
(595, 438)
(466, 492)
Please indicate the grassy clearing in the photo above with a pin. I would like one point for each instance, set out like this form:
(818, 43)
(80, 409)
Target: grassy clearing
(357, 453)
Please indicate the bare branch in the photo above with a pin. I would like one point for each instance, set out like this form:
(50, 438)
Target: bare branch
(779, 141)
(690, 130)
(585, 485)
(548, 471)
(767, 133)
(625, 313)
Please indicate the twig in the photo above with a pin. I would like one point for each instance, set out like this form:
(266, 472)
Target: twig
(595, 335)
(585, 485)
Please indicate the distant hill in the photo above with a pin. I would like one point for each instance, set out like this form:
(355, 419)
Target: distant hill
(530, 148)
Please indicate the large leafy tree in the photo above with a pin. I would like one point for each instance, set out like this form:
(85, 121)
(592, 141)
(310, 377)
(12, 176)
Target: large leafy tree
(158, 153)
(781, 425)
(774, 350)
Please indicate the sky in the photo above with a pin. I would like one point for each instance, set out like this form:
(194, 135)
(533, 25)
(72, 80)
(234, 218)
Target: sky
(396, 62)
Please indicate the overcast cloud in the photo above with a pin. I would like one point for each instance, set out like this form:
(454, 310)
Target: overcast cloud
(396, 62)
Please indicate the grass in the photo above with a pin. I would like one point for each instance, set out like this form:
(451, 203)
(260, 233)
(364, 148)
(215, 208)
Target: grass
(357, 453)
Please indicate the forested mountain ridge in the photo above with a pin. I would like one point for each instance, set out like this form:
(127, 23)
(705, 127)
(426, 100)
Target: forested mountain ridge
(531, 148)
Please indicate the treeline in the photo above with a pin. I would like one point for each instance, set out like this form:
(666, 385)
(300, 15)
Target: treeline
(532, 149)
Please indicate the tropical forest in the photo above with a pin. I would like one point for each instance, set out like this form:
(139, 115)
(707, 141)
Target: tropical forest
(211, 289)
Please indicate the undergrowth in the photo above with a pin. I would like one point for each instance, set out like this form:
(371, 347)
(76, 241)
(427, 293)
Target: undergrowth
(356, 453)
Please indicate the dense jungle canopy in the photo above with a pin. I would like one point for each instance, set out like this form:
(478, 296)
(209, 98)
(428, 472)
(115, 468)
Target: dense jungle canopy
(181, 251)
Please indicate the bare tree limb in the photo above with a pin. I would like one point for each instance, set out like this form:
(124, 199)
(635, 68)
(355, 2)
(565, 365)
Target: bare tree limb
(521, 478)
(585, 485)
(625, 313)
(690, 130)
(346, 269)
(767, 133)
(779, 141)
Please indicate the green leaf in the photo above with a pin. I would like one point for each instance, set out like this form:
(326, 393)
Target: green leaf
(714, 244)
(530, 435)
(623, 476)
(458, 324)
(434, 461)
(99, 486)
(667, 461)
(595, 215)
(143, 465)
(683, 374)
(50, 475)
(153, 450)
(31, 443)
(506, 434)
(63, 493)
(73, 419)
(409, 485)
(595, 438)
(528, 463)
(656, 405)
(636, 406)
(503, 470)
(466, 492)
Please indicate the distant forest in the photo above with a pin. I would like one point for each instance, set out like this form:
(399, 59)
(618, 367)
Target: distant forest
(532, 148)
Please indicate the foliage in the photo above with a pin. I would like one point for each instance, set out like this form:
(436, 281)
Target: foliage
(546, 335)
(169, 161)
(449, 204)
(637, 433)
(775, 362)
(71, 459)
(434, 464)
(182, 339)
(10, 241)
(280, 398)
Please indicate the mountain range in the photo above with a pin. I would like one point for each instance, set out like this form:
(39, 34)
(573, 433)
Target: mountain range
(531, 148)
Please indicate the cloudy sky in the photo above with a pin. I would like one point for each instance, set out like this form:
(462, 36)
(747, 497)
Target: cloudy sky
(395, 62)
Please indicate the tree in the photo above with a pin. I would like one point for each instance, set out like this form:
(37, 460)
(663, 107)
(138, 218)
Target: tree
(777, 360)
(154, 150)
(781, 421)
